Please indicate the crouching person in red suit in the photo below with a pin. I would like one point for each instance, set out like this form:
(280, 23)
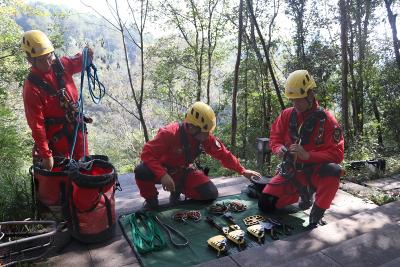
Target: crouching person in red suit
(309, 140)
(167, 159)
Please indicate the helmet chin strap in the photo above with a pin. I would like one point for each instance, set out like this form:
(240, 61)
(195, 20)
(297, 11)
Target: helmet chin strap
(196, 130)
(310, 102)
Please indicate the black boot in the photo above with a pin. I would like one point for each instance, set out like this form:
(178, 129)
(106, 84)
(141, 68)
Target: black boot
(174, 198)
(316, 215)
(151, 203)
(306, 198)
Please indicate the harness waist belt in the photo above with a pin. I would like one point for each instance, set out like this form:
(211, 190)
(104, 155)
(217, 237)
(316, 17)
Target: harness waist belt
(301, 166)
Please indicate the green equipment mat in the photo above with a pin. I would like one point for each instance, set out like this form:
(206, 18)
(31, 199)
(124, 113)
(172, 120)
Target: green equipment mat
(198, 251)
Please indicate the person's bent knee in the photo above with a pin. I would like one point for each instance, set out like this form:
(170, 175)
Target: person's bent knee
(142, 172)
(267, 202)
(207, 191)
(330, 169)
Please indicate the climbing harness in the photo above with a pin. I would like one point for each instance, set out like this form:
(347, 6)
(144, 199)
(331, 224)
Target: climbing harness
(307, 127)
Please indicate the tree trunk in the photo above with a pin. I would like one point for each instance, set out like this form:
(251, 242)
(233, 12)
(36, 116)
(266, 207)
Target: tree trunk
(378, 120)
(236, 79)
(212, 42)
(353, 82)
(362, 34)
(266, 52)
(245, 137)
(392, 21)
(344, 67)
(138, 102)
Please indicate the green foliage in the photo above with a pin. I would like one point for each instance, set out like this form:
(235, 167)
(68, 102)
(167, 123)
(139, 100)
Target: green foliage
(12, 67)
(14, 182)
(381, 198)
(389, 81)
(15, 194)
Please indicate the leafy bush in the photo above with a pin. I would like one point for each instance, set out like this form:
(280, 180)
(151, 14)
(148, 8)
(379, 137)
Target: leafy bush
(15, 201)
(383, 198)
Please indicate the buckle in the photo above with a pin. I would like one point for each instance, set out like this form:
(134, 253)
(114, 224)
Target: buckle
(299, 166)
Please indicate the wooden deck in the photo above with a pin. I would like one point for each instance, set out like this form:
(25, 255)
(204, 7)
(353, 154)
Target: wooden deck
(347, 211)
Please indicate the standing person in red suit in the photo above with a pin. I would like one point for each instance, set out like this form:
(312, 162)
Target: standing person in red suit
(310, 141)
(50, 100)
(167, 159)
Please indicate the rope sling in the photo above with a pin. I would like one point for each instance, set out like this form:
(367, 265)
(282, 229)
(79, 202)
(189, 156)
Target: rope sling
(146, 234)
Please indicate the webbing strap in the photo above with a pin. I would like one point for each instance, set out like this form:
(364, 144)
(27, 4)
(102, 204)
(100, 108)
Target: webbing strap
(185, 143)
(304, 133)
(188, 156)
(151, 239)
(186, 147)
(35, 80)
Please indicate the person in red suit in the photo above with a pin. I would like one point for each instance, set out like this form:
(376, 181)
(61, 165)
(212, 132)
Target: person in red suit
(167, 159)
(50, 101)
(310, 141)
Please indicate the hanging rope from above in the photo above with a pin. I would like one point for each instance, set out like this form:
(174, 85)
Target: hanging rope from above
(96, 95)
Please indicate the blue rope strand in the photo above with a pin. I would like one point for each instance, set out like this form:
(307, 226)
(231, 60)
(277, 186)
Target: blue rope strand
(92, 80)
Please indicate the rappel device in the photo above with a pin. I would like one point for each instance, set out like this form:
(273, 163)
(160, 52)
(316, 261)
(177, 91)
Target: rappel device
(218, 243)
(255, 230)
(236, 236)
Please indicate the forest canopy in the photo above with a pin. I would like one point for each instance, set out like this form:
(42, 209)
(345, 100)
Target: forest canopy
(155, 58)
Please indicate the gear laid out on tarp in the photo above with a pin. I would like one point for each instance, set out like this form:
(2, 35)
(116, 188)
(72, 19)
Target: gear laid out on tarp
(256, 231)
(221, 208)
(206, 242)
(232, 232)
(185, 215)
(218, 243)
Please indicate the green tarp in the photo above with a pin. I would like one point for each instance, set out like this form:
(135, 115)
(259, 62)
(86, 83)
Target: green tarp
(199, 232)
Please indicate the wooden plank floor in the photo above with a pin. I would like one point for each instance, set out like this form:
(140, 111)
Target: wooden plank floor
(117, 251)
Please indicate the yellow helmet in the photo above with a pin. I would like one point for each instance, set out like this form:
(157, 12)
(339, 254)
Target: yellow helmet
(298, 84)
(200, 114)
(35, 43)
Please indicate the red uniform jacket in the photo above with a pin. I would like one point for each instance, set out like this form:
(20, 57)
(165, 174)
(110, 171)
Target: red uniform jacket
(40, 105)
(166, 150)
(330, 151)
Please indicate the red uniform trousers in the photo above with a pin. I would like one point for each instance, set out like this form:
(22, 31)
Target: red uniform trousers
(189, 185)
(325, 184)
